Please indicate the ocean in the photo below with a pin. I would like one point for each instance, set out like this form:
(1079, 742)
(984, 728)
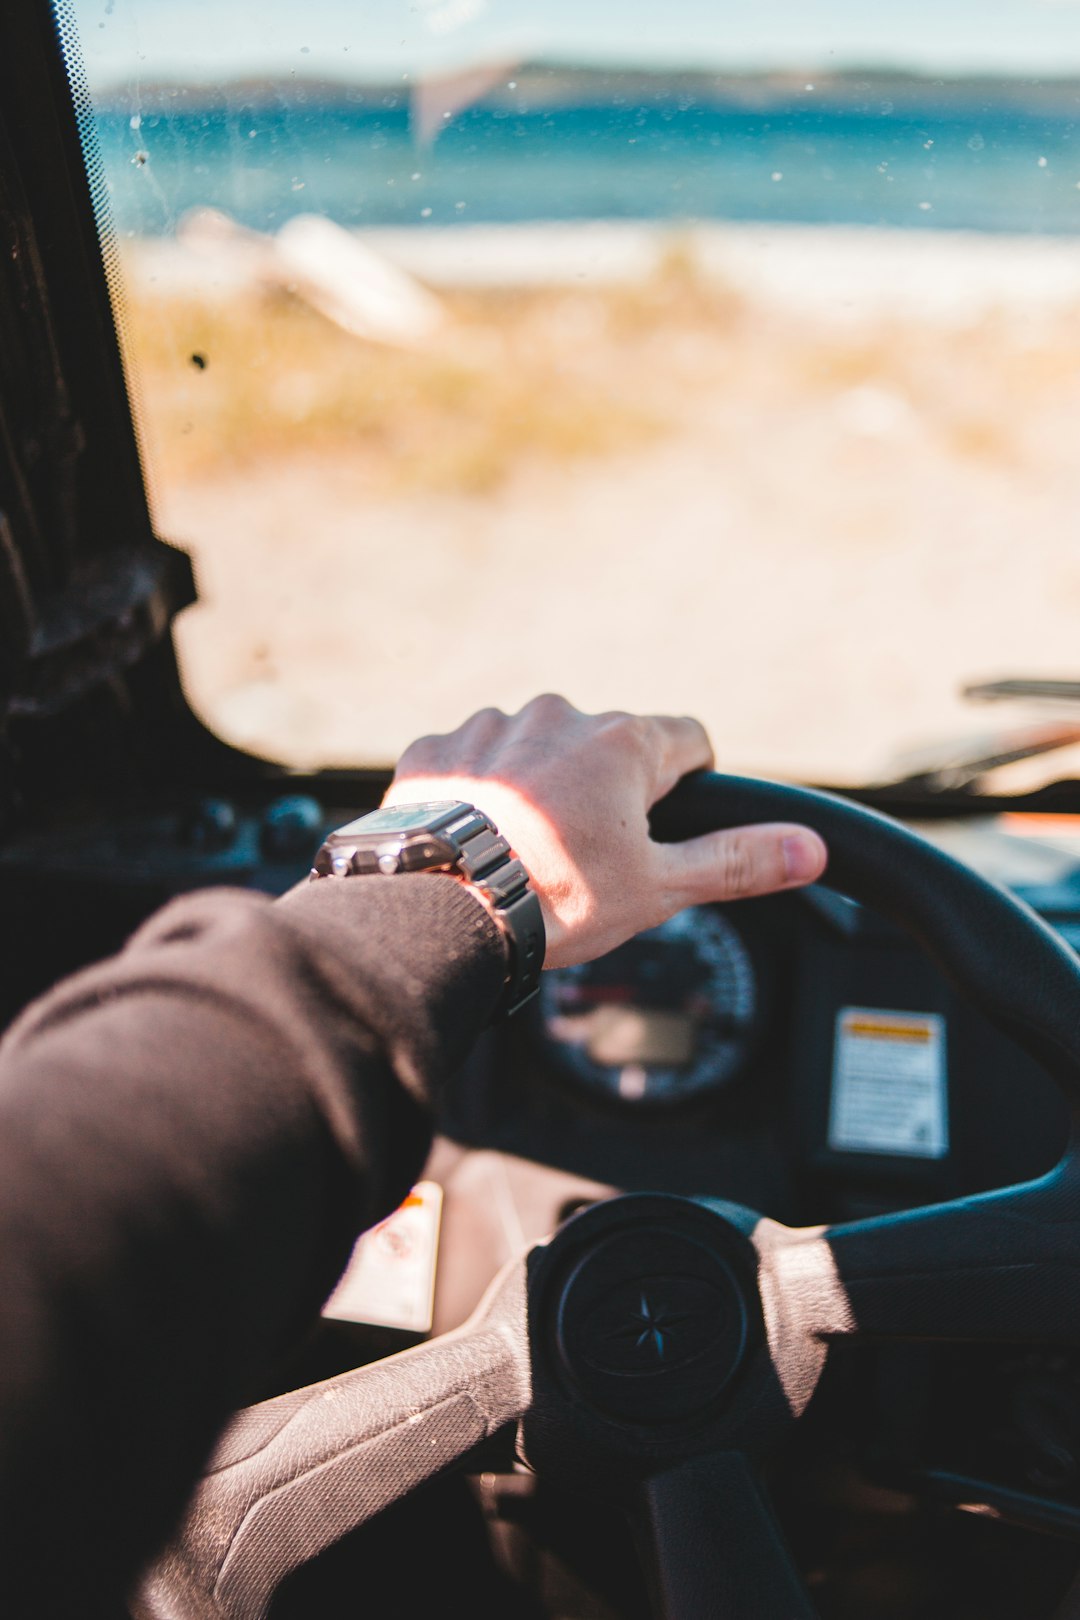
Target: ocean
(924, 161)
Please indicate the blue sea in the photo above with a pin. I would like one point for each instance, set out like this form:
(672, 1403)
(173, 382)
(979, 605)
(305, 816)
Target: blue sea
(969, 164)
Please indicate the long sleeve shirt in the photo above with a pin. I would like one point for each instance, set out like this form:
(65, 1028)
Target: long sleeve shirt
(191, 1136)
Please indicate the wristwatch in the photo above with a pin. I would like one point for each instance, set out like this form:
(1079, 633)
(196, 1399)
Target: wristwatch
(454, 837)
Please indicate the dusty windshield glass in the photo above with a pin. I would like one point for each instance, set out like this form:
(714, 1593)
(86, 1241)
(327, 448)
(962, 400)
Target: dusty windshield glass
(701, 357)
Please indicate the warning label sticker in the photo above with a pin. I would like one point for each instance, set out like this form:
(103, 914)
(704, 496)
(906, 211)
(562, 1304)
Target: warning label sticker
(889, 1084)
(390, 1279)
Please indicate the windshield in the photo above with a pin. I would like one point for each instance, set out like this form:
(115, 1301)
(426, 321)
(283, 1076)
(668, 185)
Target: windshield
(701, 357)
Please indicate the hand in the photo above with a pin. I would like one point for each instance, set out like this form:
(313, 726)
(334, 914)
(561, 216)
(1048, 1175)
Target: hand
(571, 793)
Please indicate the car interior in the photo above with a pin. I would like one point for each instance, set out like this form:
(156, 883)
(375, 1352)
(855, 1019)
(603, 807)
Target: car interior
(902, 1035)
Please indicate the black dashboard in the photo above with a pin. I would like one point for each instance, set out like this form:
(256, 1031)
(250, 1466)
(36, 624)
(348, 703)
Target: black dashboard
(798, 1054)
(853, 1080)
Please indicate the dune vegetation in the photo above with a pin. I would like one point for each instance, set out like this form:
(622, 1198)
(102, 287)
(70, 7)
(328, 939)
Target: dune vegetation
(551, 376)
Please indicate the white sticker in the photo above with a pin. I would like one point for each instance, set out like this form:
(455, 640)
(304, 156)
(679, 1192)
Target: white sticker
(889, 1084)
(390, 1278)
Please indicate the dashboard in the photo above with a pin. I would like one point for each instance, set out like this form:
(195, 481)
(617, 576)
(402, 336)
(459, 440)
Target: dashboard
(796, 1054)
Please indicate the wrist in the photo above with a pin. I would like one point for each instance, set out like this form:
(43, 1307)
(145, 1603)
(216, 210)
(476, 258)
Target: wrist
(531, 837)
(452, 837)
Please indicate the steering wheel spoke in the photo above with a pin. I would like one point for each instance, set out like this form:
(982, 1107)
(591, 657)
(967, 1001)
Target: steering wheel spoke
(293, 1475)
(1004, 1266)
(711, 1546)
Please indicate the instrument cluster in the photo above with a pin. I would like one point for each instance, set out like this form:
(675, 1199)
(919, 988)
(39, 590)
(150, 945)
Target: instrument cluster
(666, 1018)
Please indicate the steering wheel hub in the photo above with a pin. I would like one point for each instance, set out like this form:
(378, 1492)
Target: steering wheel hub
(654, 1309)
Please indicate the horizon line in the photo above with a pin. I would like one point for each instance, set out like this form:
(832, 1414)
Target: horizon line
(381, 79)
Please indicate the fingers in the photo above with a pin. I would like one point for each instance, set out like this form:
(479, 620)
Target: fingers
(743, 862)
(460, 751)
(667, 747)
(684, 747)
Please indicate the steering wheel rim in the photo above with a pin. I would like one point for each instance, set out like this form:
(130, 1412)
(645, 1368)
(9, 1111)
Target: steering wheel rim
(293, 1475)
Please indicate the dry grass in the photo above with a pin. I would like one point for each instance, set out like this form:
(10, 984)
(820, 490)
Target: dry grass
(809, 525)
(271, 376)
(550, 377)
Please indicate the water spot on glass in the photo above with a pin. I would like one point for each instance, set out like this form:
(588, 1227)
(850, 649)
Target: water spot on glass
(886, 108)
(459, 206)
(927, 145)
(511, 84)
(415, 176)
(140, 159)
(1042, 163)
(808, 87)
(976, 143)
(298, 185)
(305, 50)
(882, 167)
(926, 207)
(777, 174)
(135, 121)
(425, 213)
(252, 134)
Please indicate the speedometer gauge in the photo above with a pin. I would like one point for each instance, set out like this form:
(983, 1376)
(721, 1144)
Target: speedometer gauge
(664, 1018)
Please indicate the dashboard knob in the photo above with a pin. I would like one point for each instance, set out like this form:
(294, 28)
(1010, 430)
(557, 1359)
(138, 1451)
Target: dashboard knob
(209, 825)
(291, 828)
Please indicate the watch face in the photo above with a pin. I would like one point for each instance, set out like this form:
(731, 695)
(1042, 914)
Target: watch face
(403, 818)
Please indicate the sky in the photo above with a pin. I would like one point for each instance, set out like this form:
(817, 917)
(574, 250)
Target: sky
(196, 39)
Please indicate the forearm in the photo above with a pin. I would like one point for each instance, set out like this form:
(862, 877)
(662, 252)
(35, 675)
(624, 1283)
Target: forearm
(190, 1138)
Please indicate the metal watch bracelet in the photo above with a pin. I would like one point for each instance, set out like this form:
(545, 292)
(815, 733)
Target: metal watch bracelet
(467, 845)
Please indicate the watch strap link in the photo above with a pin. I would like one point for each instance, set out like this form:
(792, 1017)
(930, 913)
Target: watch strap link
(522, 923)
(486, 862)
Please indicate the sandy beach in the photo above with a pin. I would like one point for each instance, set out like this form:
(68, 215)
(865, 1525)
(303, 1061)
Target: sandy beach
(802, 482)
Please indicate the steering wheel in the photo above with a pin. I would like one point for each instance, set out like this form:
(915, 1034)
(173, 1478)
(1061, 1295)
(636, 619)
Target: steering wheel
(657, 1348)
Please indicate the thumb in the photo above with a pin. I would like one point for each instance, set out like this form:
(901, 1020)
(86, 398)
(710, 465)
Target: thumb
(744, 861)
